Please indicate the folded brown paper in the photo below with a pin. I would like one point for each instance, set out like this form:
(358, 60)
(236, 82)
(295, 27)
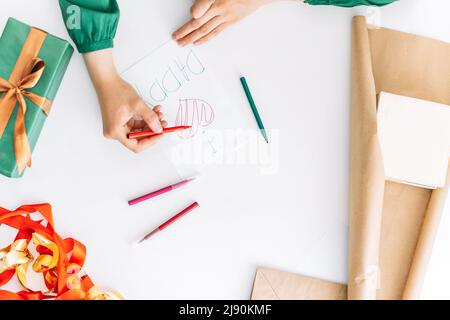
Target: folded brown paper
(391, 226)
(277, 285)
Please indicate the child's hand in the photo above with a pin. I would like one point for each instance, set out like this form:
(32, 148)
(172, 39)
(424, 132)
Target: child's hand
(210, 17)
(123, 110)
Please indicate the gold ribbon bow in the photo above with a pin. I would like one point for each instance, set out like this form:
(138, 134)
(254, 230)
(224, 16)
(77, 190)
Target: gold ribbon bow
(18, 92)
(16, 256)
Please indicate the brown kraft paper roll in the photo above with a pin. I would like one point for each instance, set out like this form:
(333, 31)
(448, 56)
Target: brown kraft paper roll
(392, 226)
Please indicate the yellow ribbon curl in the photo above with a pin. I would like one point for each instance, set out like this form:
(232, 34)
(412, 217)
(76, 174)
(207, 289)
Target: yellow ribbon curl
(16, 256)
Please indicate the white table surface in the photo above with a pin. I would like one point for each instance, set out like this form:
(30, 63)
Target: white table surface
(297, 61)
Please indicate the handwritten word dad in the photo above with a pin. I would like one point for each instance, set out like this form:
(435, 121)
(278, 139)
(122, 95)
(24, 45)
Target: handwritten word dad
(180, 71)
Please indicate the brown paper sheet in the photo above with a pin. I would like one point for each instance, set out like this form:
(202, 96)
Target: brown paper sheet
(277, 285)
(391, 226)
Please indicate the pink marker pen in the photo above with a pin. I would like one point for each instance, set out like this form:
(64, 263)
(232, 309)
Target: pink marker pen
(160, 191)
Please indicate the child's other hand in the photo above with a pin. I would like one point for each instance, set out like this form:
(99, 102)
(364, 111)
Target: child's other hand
(123, 110)
(210, 17)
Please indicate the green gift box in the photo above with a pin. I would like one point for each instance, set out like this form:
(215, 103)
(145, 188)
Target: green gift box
(32, 65)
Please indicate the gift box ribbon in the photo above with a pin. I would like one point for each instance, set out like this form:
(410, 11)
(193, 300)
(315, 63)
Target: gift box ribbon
(26, 74)
(60, 261)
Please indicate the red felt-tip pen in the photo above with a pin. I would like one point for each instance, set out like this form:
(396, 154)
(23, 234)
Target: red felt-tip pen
(149, 133)
(170, 221)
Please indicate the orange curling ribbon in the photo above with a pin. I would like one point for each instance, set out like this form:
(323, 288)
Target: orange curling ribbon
(59, 260)
(26, 74)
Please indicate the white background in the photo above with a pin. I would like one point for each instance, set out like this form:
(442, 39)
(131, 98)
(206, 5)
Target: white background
(297, 61)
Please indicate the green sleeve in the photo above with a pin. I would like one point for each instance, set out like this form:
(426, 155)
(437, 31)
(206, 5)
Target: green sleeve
(91, 24)
(350, 3)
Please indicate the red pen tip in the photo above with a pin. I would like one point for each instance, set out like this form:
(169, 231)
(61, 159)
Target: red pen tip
(148, 133)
